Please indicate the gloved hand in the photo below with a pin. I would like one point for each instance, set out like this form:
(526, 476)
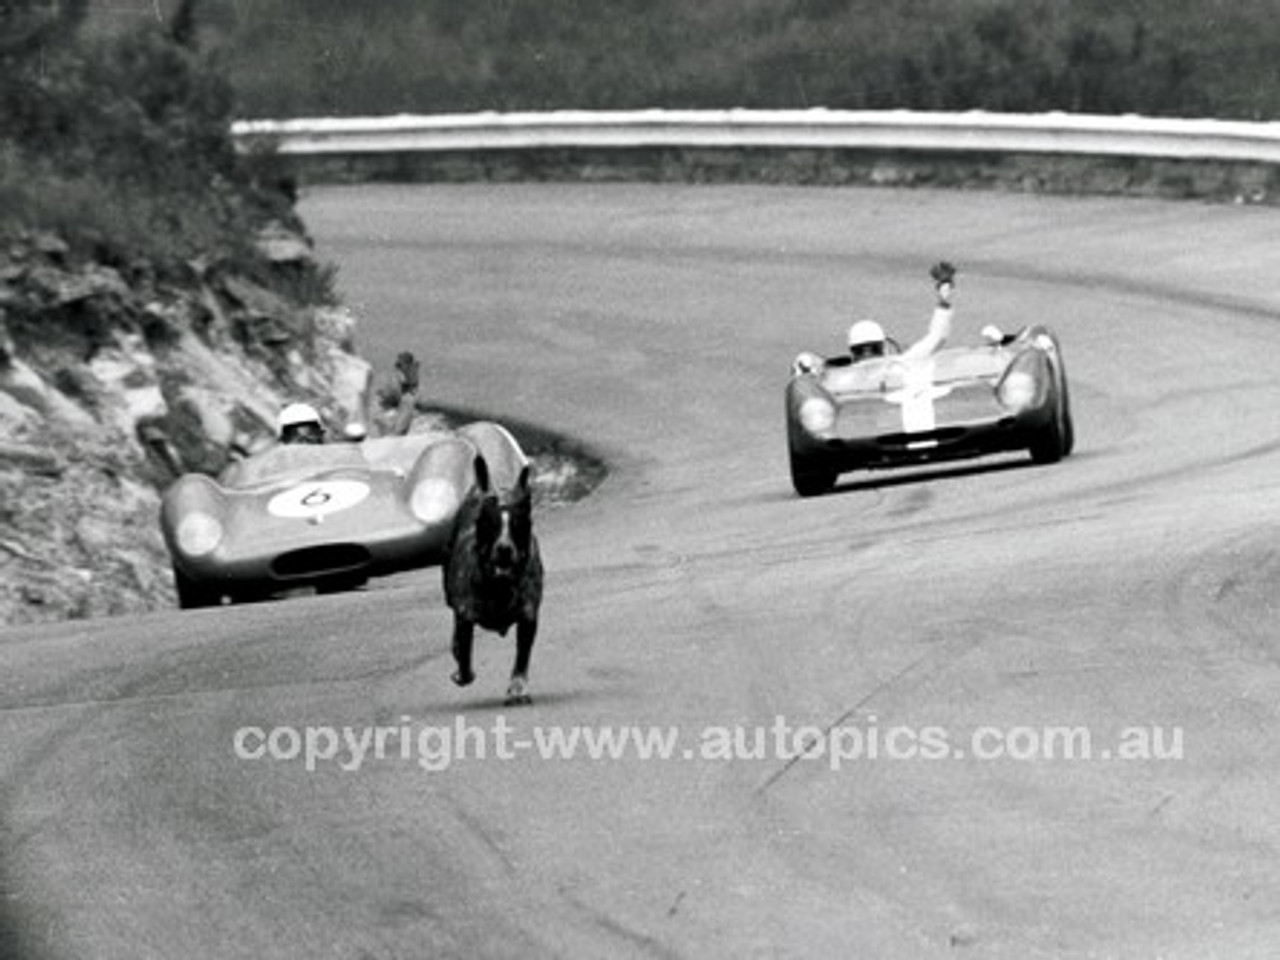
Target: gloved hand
(943, 272)
(407, 367)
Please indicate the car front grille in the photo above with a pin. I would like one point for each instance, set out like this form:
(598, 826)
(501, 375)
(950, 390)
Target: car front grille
(324, 560)
(935, 437)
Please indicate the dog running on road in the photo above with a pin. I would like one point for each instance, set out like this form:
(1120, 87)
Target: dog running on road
(493, 575)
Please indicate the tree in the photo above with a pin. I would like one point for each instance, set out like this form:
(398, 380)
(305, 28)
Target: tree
(28, 27)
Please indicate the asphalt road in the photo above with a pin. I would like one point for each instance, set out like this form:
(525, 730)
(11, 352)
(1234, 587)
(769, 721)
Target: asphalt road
(1132, 586)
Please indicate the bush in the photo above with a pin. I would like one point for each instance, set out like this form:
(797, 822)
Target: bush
(122, 146)
(1156, 57)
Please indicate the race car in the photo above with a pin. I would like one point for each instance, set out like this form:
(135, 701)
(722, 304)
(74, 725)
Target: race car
(1007, 394)
(326, 516)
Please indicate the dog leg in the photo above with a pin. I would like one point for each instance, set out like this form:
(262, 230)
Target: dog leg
(464, 632)
(517, 690)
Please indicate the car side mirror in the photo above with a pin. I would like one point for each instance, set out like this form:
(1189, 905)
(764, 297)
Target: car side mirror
(806, 362)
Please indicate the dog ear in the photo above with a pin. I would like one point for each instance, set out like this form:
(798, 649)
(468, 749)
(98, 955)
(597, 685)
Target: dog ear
(523, 483)
(482, 474)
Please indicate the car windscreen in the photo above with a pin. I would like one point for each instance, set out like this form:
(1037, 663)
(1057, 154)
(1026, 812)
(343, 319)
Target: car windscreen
(287, 461)
(893, 373)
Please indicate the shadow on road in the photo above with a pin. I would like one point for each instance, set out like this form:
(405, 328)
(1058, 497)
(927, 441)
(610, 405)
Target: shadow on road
(887, 479)
(17, 939)
(913, 475)
(498, 704)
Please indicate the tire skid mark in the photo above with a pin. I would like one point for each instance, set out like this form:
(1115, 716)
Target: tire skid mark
(1230, 588)
(1159, 292)
(927, 666)
(23, 773)
(167, 668)
(936, 529)
(317, 888)
(647, 944)
(132, 695)
(476, 828)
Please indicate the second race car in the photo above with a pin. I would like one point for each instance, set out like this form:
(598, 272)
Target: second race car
(1009, 393)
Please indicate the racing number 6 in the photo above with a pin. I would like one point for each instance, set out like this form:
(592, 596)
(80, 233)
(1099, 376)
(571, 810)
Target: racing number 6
(316, 498)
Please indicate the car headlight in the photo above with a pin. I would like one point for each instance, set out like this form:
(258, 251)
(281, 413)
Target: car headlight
(817, 414)
(433, 500)
(1018, 390)
(198, 534)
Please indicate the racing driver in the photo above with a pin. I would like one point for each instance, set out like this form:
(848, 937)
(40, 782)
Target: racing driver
(867, 338)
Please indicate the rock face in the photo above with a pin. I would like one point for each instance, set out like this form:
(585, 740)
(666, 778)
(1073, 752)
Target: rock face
(112, 382)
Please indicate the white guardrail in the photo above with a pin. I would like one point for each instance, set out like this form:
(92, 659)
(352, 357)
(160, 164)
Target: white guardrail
(1128, 135)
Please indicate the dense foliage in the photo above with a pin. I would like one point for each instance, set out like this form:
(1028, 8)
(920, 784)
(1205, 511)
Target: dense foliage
(114, 115)
(121, 144)
(1156, 57)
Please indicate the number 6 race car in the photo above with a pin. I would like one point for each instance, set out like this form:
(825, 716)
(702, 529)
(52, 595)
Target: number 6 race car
(327, 516)
(1007, 394)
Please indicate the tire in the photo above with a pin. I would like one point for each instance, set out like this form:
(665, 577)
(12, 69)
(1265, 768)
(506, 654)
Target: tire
(1051, 443)
(191, 595)
(1068, 426)
(809, 482)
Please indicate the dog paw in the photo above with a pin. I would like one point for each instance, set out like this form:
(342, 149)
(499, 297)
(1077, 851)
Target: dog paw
(463, 679)
(518, 695)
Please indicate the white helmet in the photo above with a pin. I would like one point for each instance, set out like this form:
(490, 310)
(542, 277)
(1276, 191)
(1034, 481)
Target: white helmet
(864, 332)
(299, 423)
(866, 338)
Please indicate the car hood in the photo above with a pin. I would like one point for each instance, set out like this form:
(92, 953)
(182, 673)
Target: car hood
(293, 496)
(958, 366)
(286, 464)
(272, 518)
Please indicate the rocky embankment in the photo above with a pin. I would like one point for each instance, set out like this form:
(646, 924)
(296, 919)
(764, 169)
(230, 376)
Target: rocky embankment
(114, 380)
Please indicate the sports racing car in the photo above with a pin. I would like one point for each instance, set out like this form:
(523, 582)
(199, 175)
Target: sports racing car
(1009, 393)
(327, 516)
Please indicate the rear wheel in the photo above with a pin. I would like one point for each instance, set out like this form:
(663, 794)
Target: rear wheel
(193, 595)
(810, 480)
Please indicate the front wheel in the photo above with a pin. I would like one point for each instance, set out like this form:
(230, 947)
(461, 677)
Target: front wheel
(809, 481)
(1068, 426)
(1051, 442)
(1064, 395)
(193, 595)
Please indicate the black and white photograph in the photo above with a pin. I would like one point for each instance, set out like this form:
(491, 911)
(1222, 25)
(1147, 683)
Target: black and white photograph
(772, 479)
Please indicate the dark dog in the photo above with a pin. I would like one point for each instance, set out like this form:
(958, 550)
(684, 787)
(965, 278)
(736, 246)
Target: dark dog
(493, 575)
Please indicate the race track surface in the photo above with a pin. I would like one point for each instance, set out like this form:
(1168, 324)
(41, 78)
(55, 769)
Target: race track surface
(1132, 586)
